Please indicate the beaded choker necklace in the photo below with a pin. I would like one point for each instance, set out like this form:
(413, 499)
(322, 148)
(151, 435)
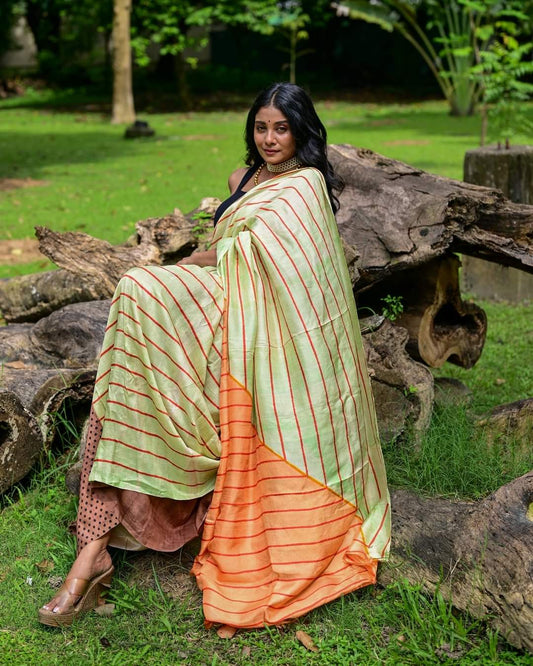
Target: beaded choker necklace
(293, 163)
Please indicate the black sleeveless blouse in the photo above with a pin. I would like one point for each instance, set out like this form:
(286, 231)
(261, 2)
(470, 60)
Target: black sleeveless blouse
(236, 195)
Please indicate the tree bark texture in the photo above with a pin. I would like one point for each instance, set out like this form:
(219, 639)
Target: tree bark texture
(400, 217)
(90, 267)
(402, 388)
(34, 404)
(442, 327)
(30, 297)
(479, 554)
(123, 106)
(48, 378)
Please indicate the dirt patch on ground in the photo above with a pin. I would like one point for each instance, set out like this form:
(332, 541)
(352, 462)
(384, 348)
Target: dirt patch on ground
(16, 183)
(172, 571)
(20, 251)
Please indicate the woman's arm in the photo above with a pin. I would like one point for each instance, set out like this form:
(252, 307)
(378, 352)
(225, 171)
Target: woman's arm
(207, 258)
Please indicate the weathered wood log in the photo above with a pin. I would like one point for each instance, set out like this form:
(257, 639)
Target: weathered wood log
(90, 268)
(48, 376)
(30, 297)
(403, 389)
(34, 404)
(442, 327)
(510, 424)
(68, 338)
(479, 554)
(400, 217)
(158, 241)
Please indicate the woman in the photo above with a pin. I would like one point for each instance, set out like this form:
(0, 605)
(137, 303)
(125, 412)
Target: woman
(232, 399)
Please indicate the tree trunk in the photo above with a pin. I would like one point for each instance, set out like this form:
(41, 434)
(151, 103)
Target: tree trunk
(399, 217)
(511, 171)
(180, 72)
(37, 405)
(478, 554)
(92, 267)
(442, 327)
(123, 107)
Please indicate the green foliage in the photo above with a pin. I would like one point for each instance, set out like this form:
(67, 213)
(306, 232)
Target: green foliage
(502, 66)
(393, 307)
(289, 20)
(203, 225)
(66, 34)
(444, 40)
(450, 35)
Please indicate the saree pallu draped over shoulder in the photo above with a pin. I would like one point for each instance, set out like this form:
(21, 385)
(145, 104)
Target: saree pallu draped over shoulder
(249, 380)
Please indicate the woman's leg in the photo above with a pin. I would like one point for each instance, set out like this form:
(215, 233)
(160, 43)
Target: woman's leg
(92, 561)
(94, 530)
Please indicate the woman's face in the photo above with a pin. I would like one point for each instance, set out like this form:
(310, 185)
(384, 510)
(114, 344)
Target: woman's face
(272, 135)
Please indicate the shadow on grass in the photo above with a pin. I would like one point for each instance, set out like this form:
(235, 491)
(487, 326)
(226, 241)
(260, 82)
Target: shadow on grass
(26, 153)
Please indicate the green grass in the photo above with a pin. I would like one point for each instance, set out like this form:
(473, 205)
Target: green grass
(454, 458)
(504, 372)
(97, 182)
(397, 625)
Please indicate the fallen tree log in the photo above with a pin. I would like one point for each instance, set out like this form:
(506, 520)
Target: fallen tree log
(478, 554)
(36, 405)
(400, 217)
(90, 267)
(47, 382)
(442, 327)
(159, 240)
(68, 338)
(30, 297)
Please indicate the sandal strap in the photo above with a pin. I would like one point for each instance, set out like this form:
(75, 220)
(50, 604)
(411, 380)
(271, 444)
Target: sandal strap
(76, 586)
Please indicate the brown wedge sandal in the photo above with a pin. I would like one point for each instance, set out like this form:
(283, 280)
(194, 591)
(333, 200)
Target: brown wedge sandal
(89, 593)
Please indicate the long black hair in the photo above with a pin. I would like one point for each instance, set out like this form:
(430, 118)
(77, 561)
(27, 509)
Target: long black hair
(309, 133)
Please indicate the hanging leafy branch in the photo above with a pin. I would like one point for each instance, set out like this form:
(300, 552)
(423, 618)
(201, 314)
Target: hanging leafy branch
(446, 33)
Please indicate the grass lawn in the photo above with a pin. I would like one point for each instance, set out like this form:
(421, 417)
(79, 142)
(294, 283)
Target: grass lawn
(80, 174)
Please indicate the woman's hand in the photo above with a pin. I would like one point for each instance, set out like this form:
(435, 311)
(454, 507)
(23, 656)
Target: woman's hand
(207, 258)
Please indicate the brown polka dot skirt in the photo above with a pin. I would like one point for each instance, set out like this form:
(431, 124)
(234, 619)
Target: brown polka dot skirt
(95, 516)
(145, 521)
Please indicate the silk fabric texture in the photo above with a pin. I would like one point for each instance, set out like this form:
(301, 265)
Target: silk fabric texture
(249, 380)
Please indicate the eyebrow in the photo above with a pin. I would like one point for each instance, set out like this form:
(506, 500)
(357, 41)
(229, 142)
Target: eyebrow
(278, 122)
